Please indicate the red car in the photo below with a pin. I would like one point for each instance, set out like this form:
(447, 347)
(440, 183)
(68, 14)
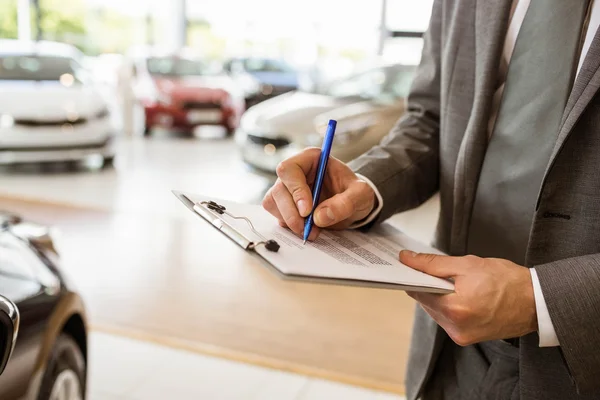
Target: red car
(180, 93)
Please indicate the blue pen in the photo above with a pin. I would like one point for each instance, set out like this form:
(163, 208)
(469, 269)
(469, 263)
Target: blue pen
(325, 151)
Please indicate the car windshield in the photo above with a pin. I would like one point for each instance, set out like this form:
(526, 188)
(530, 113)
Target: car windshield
(266, 65)
(39, 68)
(385, 84)
(171, 66)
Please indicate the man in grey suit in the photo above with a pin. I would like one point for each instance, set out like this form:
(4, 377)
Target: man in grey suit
(503, 120)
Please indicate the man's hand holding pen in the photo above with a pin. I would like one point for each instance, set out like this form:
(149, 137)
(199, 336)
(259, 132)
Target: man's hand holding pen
(345, 198)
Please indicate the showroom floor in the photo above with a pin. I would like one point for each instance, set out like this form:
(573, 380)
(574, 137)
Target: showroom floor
(126, 369)
(148, 169)
(140, 185)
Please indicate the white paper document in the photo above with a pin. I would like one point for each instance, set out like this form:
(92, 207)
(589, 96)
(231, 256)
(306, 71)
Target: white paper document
(348, 256)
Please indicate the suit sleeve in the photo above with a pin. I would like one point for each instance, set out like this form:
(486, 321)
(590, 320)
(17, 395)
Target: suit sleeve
(571, 289)
(405, 165)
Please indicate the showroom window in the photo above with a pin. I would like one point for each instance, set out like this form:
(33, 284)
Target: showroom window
(406, 20)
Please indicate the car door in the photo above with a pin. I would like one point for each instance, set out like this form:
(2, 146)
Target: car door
(19, 283)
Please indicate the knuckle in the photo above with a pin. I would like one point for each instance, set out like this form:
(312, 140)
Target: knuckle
(312, 151)
(297, 192)
(347, 205)
(267, 201)
(281, 168)
(461, 338)
(294, 224)
(458, 314)
(472, 259)
(363, 187)
(428, 258)
(278, 189)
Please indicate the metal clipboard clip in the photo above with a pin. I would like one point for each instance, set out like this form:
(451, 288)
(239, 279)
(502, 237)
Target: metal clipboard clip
(208, 209)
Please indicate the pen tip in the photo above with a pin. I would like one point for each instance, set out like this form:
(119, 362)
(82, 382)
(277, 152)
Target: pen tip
(304, 242)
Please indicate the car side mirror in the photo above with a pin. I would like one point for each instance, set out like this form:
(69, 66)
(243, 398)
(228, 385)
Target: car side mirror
(9, 328)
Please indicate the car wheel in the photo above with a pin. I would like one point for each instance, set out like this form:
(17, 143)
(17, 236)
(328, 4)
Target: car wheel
(64, 378)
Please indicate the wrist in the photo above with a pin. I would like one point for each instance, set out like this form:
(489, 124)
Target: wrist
(368, 203)
(369, 196)
(529, 302)
(373, 203)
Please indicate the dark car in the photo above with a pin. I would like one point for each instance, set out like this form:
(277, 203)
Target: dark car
(262, 78)
(9, 330)
(49, 361)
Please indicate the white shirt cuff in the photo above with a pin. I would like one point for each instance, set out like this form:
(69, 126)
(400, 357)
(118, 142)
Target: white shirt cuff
(377, 209)
(546, 330)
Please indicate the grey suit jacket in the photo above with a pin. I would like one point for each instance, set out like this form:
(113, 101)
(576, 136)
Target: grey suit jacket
(440, 145)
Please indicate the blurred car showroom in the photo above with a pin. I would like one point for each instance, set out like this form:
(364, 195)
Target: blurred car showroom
(118, 292)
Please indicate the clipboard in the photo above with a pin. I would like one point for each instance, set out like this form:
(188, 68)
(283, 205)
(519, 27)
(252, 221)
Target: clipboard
(214, 213)
(211, 212)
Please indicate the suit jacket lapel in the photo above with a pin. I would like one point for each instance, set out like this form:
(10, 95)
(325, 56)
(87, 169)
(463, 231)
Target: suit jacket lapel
(491, 22)
(590, 65)
(585, 88)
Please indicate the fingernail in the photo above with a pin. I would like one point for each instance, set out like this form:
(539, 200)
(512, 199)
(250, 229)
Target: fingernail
(409, 253)
(330, 214)
(303, 208)
(326, 216)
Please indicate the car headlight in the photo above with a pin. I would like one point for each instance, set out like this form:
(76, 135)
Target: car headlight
(6, 121)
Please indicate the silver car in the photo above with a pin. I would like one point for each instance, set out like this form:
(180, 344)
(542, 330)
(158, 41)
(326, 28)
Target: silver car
(366, 106)
(50, 108)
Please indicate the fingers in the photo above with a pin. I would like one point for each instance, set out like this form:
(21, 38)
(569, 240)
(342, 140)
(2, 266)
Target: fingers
(271, 206)
(433, 264)
(287, 208)
(293, 172)
(290, 199)
(314, 233)
(433, 313)
(347, 207)
(268, 204)
(429, 300)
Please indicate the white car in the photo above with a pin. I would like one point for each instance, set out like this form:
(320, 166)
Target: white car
(366, 106)
(50, 110)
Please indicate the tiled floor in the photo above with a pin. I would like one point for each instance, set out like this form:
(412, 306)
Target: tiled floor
(125, 369)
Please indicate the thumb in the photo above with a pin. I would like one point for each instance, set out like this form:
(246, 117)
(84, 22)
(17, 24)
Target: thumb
(432, 264)
(341, 208)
